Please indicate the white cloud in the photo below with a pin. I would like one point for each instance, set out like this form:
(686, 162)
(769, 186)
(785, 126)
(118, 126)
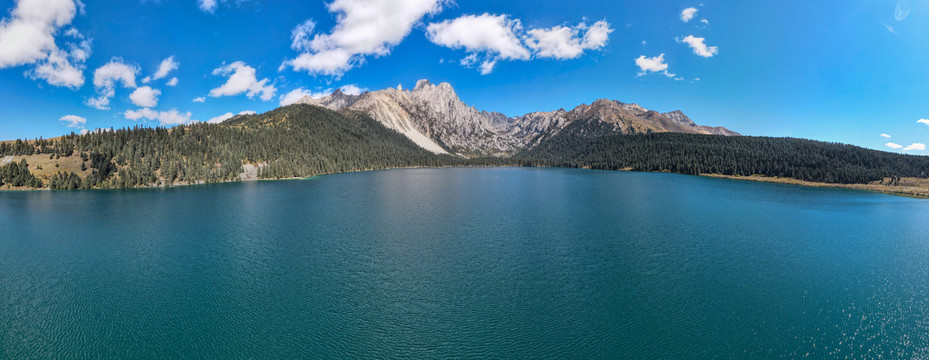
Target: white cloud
(172, 117)
(352, 89)
(893, 145)
(902, 10)
(74, 121)
(242, 79)
(491, 38)
(652, 64)
(363, 27)
(562, 42)
(107, 77)
(221, 118)
(58, 70)
(172, 82)
(207, 5)
(166, 66)
(200, 99)
(27, 36)
(145, 96)
(885, 136)
(705, 22)
(300, 36)
(228, 115)
(699, 46)
(299, 93)
(915, 147)
(688, 14)
(923, 121)
(487, 38)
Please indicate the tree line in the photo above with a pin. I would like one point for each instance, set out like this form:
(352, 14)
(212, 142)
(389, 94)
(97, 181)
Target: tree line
(801, 159)
(305, 140)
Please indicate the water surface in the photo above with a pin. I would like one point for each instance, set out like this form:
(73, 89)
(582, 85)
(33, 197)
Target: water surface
(469, 263)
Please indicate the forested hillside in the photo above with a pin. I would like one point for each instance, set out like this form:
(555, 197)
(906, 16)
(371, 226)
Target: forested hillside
(293, 141)
(579, 146)
(305, 140)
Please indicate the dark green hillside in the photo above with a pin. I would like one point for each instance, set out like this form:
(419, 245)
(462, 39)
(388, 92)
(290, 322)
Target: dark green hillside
(727, 155)
(297, 140)
(305, 140)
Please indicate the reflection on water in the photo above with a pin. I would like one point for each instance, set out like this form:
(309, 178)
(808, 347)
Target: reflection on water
(427, 263)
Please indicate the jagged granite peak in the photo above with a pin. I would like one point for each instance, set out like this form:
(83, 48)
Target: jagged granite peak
(335, 101)
(435, 118)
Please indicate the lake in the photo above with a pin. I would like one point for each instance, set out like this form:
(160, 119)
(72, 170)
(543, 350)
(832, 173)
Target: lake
(467, 263)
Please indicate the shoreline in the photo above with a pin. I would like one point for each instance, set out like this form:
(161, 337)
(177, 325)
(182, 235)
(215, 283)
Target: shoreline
(911, 187)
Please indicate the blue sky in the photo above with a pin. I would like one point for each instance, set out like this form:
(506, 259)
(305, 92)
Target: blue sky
(844, 71)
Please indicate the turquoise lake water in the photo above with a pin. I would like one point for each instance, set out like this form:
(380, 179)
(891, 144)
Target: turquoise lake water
(466, 263)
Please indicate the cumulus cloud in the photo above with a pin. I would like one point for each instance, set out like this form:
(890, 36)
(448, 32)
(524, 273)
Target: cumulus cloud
(893, 145)
(221, 118)
(171, 117)
(242, 79)
(200, 99)
(172, 82)
(59, 70)
(688, 14)
(699, 46)
(363, 28)
(145, 96)
(562, 42)
(167, 65)
(107, 77)
(652, 64)
(164, 68)
(27, 36)
(74, 121)
(491, 38)
(915, 147)
(488, 38)
(352, 89)
(228, 115)
(299, 93)
(207, 5)
(885, 136)
(923, 121)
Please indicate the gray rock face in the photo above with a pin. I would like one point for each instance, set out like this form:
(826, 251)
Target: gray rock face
(436, 119)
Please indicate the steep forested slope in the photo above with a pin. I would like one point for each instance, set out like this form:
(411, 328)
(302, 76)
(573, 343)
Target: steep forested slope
(297, 140)
(583, 145)
(303, 140)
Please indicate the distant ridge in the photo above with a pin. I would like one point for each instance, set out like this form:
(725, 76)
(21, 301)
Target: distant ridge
(435, 118)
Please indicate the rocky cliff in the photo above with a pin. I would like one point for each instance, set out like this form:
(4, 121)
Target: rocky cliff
(436, 119)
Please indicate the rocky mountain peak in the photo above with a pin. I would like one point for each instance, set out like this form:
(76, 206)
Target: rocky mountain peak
(435, 118)
(422, 83)
(679, 117)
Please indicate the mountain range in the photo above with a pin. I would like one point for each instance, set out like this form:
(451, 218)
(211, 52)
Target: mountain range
(436, 119)
(430, 126)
